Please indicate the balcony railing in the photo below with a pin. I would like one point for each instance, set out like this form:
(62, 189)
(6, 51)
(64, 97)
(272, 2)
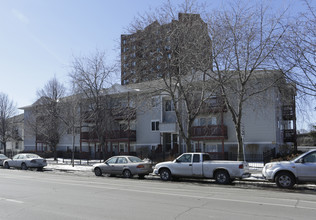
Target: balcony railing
(110, 135)
(289, 135)
(124, 113)
(214, 105)
(210, 131)
(288, 112)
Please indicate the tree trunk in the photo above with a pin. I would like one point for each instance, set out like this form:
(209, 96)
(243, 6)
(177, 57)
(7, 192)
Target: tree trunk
(240, 149)
(55, 153)
(189, 146)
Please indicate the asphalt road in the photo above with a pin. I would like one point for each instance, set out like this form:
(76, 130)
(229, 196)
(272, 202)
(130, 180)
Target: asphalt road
(50, 195)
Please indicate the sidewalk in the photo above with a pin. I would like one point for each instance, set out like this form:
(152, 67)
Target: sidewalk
(84, 167)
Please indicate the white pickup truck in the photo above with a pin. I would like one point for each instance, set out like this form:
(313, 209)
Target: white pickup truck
(200, 165)
(287, 173)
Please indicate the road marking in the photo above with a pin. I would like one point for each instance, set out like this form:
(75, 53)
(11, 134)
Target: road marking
(176, 192)
(207, 197)
(11, 200)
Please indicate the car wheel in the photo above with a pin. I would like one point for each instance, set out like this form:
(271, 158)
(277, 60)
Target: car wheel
(165, 175)
(97, 171)
(285, 180)
(23, 166)
(6, 165)
(222, 177)
(127, 174)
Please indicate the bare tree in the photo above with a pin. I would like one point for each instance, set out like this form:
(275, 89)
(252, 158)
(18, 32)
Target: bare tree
(47, 116)
(7, 110)
(90, 76)
(245, 41)
(172, 45)
(299, 49)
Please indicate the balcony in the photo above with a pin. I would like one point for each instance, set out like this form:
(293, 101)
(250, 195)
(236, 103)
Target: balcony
(168, 127)
(124, 113)
(110, 135)
(288, 112)
(289, 135)
(208, 132)
(213, 105)
(121, 135)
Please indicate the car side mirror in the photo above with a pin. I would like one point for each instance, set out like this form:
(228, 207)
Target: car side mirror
(177, 161)
(301, 160)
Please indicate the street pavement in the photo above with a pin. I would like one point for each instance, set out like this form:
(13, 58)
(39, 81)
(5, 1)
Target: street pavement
(54, 194)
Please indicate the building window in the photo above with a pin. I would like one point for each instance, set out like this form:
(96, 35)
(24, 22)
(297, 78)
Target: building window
(155, 125)
(169, 106)
(155, 102)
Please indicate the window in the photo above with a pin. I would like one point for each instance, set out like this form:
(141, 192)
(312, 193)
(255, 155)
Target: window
(310, 158)
(185, 158)
(122, 148)
(112, 160)
(121, 160)
(169, 106)
(155, 125)
(206, 157)
(196, 158)
(202, 121)
(155, 102)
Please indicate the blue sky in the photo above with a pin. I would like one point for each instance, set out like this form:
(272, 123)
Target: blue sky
(38, 38)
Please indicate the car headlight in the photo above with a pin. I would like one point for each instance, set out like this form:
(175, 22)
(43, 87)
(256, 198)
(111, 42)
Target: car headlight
(269, 166)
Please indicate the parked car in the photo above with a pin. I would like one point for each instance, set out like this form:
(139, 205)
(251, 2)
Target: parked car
(288, 173)
(25, 161)
(127, 166)
(200, 165)
(2, 158)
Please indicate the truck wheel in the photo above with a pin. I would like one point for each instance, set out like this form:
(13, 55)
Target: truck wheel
(165, 175)
(222, 177)
(285, 180)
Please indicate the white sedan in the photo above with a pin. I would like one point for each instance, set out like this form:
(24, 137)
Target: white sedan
(25, 161)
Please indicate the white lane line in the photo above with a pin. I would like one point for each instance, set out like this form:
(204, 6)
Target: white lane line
(11, 200)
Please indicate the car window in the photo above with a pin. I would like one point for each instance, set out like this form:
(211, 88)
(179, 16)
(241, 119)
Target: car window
(112, 160)
(206, 157)
(135, 159)
(32, 156)
(185, 158)
(310, 158)
(121, 160)
(196, 158)
(16, 157)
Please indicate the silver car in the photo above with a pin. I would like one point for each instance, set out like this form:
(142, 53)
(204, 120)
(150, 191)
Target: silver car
(2, 158)
(287, 173)
(127, 166)
(25, 161)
